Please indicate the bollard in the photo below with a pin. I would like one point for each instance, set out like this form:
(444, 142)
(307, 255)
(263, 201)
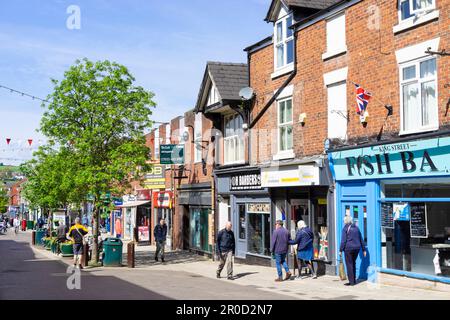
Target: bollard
(130, 254)
(33, 237)
(85, 261)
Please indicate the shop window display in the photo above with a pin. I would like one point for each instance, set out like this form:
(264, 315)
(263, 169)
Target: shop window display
(419, 240)
(199, 229)
(258, 216)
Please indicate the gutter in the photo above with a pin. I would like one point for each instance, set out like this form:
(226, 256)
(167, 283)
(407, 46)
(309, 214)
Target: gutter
(284, 85)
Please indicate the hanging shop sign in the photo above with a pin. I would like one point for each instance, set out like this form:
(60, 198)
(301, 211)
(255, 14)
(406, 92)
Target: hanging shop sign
(171, 154)
(246, 181)
(162, 199)
(155, 178)
(418, 224)
(303, 175)
(421, 158)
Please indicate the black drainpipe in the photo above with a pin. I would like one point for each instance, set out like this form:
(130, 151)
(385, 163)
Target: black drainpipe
(275, 96)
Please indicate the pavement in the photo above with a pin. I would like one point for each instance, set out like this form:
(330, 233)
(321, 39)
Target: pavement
(31, 272)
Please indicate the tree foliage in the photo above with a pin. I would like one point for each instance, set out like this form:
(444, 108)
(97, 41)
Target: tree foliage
(96, 120)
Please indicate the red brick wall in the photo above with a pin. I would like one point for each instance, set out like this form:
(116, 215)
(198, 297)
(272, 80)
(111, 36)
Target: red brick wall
(371, 62)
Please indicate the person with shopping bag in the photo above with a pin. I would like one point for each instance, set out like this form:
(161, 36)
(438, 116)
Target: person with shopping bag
(351, 244)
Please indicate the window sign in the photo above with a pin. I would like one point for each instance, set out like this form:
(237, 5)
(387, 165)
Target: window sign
(401, 211)
(418, 225)
(387, 216)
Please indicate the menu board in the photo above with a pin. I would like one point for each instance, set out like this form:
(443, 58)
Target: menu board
(387, 215)
(418, 223)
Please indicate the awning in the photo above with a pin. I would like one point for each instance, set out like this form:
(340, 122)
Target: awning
(133, 204)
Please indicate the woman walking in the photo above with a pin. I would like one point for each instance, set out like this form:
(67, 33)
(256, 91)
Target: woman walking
(351, 244)
(304, 240)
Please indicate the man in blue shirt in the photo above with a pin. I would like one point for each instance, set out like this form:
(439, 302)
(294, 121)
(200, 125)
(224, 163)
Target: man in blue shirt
(279, 248)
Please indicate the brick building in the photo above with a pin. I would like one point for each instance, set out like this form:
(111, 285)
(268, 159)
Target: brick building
(193, 218)
(305, 79)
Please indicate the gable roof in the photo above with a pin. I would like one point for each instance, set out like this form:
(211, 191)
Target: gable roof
(229, 79)
(291, 4)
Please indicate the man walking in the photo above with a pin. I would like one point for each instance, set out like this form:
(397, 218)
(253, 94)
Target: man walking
(76, 234)
(279, 247)
(60, 234)
(226, 245)
(160, 233)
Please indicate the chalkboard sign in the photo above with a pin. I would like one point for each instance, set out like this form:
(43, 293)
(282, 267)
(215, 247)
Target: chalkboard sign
(387, 215)
(418, 223)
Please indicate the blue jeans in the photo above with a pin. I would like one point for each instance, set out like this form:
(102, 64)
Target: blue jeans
(280, 259)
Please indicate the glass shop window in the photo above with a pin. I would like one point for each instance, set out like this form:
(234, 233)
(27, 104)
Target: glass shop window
(418, 241)
(258, 229)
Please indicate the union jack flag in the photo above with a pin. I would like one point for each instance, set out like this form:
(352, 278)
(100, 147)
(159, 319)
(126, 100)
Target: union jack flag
(362, 99)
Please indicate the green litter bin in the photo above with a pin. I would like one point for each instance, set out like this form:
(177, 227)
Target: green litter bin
(112, 248)
(30, 225)
(40, 234)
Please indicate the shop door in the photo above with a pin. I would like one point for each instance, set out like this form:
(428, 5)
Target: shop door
(358, 211)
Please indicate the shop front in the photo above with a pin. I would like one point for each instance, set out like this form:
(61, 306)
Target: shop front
(301, 191)
(195, 203)
(399, 196)
(162, 209)
(136, 218)
(243, 201)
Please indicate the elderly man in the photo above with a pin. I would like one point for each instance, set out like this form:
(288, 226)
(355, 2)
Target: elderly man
(225, 248)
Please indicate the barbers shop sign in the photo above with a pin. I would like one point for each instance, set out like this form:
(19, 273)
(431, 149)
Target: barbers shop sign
(246, 181)
(420, 158)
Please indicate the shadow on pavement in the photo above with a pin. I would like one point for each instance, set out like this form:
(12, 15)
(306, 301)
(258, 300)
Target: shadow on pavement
(241, 275)
(26, 276)
(147, 258)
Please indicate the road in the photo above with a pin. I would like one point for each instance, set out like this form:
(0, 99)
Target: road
(30, 274)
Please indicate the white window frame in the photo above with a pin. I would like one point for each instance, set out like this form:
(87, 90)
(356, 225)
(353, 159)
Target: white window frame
(334, 84)
(157, 144)
(198, 133)
(332, 52)
(412, 11)
(418, 17)
(168, 134)
(284, 41)
(236, 139)
(434, 123)
(289, 153)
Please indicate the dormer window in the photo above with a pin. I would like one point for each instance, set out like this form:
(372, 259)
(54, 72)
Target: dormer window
(284, 41)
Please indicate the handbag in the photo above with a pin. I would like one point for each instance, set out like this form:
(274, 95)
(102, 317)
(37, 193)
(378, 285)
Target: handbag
(342, 274)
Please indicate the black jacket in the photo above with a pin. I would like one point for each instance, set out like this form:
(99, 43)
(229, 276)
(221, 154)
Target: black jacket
(160, 232)
(225, 241)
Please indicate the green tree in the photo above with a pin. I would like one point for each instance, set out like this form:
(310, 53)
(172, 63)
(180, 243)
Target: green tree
(3, 200)
(51, 180)
(98, 113)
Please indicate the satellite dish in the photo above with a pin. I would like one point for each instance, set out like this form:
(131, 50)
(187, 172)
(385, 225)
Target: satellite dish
(246, 93)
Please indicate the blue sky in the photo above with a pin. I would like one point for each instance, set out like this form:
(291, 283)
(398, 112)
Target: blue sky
(165, 44)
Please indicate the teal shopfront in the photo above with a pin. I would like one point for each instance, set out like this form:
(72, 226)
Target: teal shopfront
(399, 196)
